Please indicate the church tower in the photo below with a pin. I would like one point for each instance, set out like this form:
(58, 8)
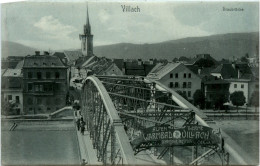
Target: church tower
(86, 39)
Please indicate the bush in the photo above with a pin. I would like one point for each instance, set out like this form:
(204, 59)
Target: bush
(237, 98)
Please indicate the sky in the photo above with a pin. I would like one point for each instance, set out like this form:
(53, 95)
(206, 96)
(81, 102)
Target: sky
(57, 25)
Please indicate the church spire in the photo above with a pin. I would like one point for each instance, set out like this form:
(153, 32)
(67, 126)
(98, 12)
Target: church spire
(88, 27)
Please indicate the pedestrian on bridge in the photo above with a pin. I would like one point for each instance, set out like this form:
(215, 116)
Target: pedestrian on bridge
(78, 123)
(82, 126)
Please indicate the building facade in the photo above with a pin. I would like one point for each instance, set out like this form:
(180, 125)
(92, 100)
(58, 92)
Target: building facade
(178, 77)
(44, 84)
(11, 90)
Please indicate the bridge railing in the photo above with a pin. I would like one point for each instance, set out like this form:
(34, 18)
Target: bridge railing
(104, 125)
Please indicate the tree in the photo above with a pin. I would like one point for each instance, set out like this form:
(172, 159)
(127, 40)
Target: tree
(254, 100)
(205, 63)
(199, 98)
(238, 99)
(220, 98)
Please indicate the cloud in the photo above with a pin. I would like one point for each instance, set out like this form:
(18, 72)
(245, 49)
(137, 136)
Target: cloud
(53, 28)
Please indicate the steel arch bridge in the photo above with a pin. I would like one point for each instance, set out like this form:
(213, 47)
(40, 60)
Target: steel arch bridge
(118, 108)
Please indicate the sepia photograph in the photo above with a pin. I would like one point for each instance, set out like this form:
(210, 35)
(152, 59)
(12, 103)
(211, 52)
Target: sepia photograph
(129, 82)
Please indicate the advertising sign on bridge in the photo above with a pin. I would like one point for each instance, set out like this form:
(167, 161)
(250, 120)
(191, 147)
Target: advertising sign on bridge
(188, 135)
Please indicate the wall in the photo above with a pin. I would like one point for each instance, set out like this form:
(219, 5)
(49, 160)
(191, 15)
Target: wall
(194, 80)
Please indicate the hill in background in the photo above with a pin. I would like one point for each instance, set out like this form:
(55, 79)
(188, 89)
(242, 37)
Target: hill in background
(219, 46)
(15, 49)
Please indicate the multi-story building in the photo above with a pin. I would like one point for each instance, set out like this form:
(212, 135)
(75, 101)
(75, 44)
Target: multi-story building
(11, 90)
(45, 84)
(178, 77)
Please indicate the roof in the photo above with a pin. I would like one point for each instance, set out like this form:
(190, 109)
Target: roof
(162, 70)
(228, 71)
(61, 55)
(20, 65)
(133, 66)
(202, 56)
(42, 61)
(13, 73)
(73, 55)
(85, 60)
(119, 63)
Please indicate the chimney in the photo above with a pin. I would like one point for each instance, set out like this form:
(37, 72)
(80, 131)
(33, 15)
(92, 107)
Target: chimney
(238, 73)
(140, 62)
(37, 52)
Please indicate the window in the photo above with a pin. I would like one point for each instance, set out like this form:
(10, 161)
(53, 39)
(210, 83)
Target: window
(48, 75)
(17, 99)
(189, 93)
(176, 85)
(184, 93)
(57, 75)
(184, 84)
(184, 75)
(235, 85)
(39, 75)
(30, 74)
(48, 108)
(171, 84)
(242, 86)
(30, 86)
(189, 84)
(171, 75)
(37, 88)
(176, 75)
(10, 97)
(189, 75)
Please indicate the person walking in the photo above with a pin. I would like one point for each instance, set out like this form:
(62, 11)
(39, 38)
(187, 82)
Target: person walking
(78, 123)
(82, 126)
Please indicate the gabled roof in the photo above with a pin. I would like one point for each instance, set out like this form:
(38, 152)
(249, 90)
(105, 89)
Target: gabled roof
(162, 70)
(119, 63)
(73, 55)
(202, 56)
(42, 61)
(13, 73)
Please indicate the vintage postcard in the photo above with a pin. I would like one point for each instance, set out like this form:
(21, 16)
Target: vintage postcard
(128, 82)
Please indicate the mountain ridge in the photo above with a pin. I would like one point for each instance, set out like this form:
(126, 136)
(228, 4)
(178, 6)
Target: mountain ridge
(219, 46)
